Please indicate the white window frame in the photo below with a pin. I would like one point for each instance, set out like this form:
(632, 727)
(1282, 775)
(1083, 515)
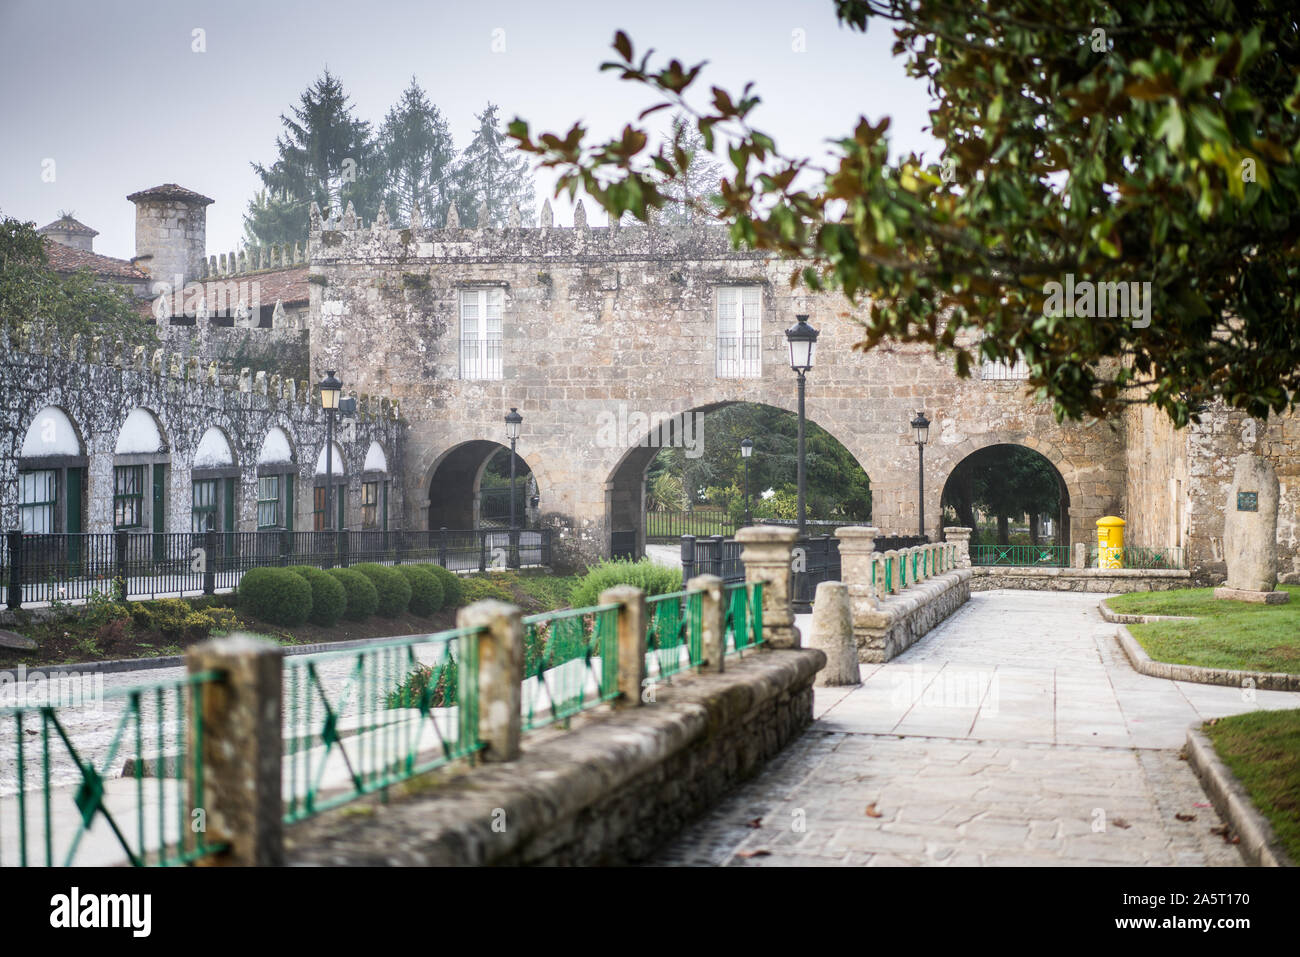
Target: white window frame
(480, 331)
(738, 314)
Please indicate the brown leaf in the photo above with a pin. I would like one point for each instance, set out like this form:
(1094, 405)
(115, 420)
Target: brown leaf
(872, 812)
(757, 852)
(1120, 823)
(756, 822)
(1185, 817)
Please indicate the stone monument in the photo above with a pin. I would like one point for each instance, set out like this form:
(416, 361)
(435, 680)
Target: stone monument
(832, 632)
(1250, 533)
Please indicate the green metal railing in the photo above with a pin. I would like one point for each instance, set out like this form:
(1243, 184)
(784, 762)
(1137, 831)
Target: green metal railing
(65, 809)
(1141, 556)
(744, 627)
(570, 663)
(359, 721)
(1055, 556)
(673, 622)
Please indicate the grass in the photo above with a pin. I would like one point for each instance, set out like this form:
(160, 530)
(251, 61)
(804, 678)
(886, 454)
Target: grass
(1262, 749)
(1240, 636)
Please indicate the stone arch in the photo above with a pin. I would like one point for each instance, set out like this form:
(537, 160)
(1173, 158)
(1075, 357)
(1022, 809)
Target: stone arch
(1066, 473)
(453, 482)
(52, 433)
(142, 474)
(625, 482)
(51, 474)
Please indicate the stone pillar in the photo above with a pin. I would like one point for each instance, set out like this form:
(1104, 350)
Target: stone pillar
(1250, 533)
(766, 556)
(832, 632)
(713, 620)
(631, 642)
(500, 674)
(241, 749)
(960, 537)
(1080, 559)
(857, 551)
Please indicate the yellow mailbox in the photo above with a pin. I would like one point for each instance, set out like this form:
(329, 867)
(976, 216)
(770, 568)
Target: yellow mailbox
(1110, 542)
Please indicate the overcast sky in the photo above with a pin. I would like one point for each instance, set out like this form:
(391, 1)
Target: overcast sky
(115, 95)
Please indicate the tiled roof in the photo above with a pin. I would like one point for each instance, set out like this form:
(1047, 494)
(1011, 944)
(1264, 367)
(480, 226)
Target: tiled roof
(170, 191)
(66, 259)
(68, 225)
(288, 286)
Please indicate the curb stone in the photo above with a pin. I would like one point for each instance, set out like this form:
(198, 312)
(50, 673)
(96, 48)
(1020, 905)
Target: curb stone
(1145, 664)
(1259, 844)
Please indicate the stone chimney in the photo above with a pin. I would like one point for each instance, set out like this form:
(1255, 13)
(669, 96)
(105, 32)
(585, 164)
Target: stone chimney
(68, 232)
(170, 232)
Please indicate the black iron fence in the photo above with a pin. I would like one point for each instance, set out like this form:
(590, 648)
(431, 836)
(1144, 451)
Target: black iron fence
(136, 565)
(816, 559)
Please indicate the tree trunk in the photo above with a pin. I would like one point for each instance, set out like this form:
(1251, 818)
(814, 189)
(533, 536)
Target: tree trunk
(1033, 527)
(1004, 534)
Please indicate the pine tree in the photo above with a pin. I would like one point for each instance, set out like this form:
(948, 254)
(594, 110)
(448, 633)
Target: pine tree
(700, 179)
(492, 172)
(326, 155)
(418, 157)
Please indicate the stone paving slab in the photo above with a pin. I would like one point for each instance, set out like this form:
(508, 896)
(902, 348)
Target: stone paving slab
(1016, 733)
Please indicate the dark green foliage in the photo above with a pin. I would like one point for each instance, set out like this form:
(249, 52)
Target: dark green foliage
(275, 595)
(653, 578)
(441, 682)
(362, 598)
(426, 589)
(393, 589)
(328, 598)
(479, 587)
(453, 588)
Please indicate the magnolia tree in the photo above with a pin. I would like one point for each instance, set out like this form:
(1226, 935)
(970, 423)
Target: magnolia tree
(1117, 203)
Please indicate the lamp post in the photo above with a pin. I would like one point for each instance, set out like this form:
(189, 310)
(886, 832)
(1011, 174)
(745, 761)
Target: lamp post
(803, 344)
(513, 421)
(746, 450)
(921, 425)
(330, 390)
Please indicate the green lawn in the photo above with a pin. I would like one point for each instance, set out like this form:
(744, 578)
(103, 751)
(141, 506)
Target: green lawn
(1226, 634)
(1262, 749)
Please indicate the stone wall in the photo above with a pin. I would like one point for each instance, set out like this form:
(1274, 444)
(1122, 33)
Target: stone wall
(1112, 580)
(97, 385)
(601, 324)
(607, 791)
(901, 620)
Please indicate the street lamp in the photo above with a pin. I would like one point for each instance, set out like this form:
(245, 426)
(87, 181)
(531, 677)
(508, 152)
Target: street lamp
(746, 450)
(513, 421)
(921, 426)
(803, 344)
(330, 390)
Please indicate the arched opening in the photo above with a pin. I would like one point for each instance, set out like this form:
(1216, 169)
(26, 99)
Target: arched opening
(214, 485)
(330, 490)
(1010, 496)
(140, 461)
(276, 468)
(374, 489)
(686, 475)
(470, 488)
(51, 476)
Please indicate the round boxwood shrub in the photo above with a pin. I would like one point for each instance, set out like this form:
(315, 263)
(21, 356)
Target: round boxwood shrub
(362, 599)
(328, 599)
(393, 588)
(275, 595)
(453, 590)
(426, 590)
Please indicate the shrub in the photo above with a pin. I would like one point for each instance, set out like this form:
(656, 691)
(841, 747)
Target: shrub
(275, 595)
(362, 599)
(393, 588)
(654, 578)
(442, 681)
(478, 587)
(453, 592)
(426, 590)
(328, 599)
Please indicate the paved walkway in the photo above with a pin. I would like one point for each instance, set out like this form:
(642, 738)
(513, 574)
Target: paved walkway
(1015, 733)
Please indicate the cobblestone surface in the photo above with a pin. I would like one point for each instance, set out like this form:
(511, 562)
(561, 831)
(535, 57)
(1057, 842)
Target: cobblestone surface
(1015, 733)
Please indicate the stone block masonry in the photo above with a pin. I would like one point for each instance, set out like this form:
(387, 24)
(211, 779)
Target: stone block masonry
(608, 791)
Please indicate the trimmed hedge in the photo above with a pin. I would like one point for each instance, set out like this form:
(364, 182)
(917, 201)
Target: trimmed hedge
(426, 590)
(275, 595)
(328, 599)
(453, 589)
(654, 578)
(362, 598)
(393, 588)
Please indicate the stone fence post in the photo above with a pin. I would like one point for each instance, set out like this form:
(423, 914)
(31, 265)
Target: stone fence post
(1080, 555)
(239, 749)
(857, 555)
(500, 675)
(631, 642)
(960, 537)
(894, 564)
(768, 551)
(713, 618)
